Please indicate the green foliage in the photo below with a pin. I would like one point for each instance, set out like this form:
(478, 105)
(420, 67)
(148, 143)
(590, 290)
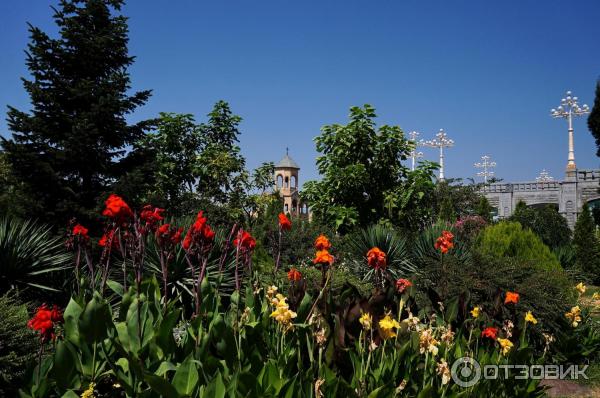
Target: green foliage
(18, 345)
(70, 148)
(509, 239)
(484, 209)
(446, 213)
(585, 242)
(13, 201)
(360, 165)
(31, 258)
(454, 199)
(545, 222)
(594, 118)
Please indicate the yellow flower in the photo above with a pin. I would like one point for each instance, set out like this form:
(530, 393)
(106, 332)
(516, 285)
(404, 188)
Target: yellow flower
(574, 316)
(580, 288)
(282, 313)
(530, 318)
(366, 321)
(387, 326)
(89, 393)
(444, 371)
(475, 312)
(596, 296)
(271, 291)
(505, 344)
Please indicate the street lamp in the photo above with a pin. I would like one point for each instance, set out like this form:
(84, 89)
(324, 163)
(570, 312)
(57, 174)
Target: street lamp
(485, 164)
(441, 141)
(414, 154)
(544, 176)
(567, 109)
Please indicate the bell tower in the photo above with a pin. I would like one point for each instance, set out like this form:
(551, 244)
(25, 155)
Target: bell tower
(286, 183)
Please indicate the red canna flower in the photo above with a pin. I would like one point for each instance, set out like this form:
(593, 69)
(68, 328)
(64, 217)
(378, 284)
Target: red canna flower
(108, 237)
(117, 209)
(444, 242)
(43, 321)
(81, 231)
(284, 223)
(377, 258)
(200, 233)
(402, 285)
(167, 235)
(245, 241)
(323, 257)
(151, 215)
(176, 237)
(294, 275)
(511, 297)
(490, 333)
(322, 243)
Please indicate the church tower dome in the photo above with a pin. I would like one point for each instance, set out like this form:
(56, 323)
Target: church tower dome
(287, 184)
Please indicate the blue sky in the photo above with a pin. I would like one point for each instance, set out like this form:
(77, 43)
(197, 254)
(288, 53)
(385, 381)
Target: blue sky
(487, 72)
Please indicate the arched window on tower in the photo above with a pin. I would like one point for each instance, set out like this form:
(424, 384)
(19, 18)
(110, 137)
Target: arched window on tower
(279, 180)
(286, 208)
(287, 182)
(294, 182)
(294, 206)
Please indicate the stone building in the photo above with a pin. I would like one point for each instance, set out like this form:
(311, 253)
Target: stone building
(287, 184)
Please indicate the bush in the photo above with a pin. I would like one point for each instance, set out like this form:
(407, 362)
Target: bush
(545, 222)
(509, 239)
(18, 345)
(30, 256)
(587, 252)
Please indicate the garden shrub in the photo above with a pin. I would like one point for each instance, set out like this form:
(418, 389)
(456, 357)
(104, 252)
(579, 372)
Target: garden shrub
(586, 245)
(18, 345)
(545, 222)
(509, 239)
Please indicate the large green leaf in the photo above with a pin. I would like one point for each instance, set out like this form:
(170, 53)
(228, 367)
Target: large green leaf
(186, 377)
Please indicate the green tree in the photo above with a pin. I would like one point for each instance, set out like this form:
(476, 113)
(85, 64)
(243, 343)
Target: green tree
(70, 148)
(223, 181)
(484, 209)
(594, 118)
(360, 165)
(545, 222)
(509, 239)
(447, 211)
(587, 251)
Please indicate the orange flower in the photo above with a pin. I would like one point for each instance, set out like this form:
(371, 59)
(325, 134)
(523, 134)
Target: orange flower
(116, 208)
(284, 223)
(490, 333)
(294, 275)
(377, 258)
(323, 257)
(322, 243)
(511, 297)
(402, 285)
(444, 242)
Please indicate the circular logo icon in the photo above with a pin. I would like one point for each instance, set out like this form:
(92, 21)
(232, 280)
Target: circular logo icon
(466, 372)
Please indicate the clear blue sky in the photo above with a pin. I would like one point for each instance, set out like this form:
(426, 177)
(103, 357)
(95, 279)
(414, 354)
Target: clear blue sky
(487, 72)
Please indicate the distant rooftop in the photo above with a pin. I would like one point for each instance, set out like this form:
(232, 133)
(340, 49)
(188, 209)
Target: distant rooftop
(288, 162)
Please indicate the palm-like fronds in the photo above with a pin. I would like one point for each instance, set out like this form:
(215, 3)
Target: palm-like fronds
(29, 255)
(386, 239)
(424, 251)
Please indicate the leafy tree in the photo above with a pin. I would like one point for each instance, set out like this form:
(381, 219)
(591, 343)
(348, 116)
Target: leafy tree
(13, 201)
(545, 222)
(70, 148)
(222, 177)
(509, 239)
(484, 209)
(587, 251)
(175, 147)
(447, 211)
(594, 119)
(360, 165)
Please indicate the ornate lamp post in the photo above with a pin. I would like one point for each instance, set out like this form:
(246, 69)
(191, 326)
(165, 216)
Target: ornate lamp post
(485, 164)
(544, 176)
(441, 141)
(414, 154)
(568, 109)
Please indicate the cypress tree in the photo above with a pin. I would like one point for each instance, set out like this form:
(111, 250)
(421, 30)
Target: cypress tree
(72, 146)
(587, 251)
(594, 119)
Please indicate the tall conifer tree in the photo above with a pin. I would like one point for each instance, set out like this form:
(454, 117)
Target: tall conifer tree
(72, 146)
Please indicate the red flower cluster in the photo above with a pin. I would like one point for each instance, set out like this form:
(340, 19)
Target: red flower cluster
(43, 321)
(402, 285)
(108, 237)
(284, 223)
(245, 241)
(151, 216)
(81, 231)
(323, 256)
(117, 209)
(490, 333)
(444, 242)
(377, 258)
(167, 234)
(322, 243)
(294, 275)
(199, 232)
